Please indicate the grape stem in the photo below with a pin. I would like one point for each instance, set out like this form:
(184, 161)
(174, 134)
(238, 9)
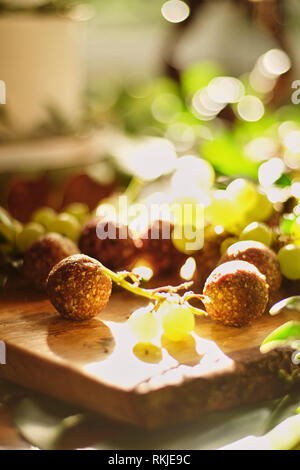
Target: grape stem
(159, 294)
(134, 188)
(191, 295)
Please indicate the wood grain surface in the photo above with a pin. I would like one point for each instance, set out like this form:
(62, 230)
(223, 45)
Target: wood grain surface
(98, 365)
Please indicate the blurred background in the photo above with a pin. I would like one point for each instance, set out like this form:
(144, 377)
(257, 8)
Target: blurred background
(162, 100)
(178, 102)
(147, 68)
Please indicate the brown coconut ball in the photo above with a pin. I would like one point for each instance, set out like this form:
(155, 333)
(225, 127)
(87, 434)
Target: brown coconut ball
(237, 293)
(118, 251)
(45, 253)
(261, 256)
(78, 288)
(158, 249)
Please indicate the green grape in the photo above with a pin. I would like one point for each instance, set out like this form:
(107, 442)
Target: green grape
(262, 210)
(7, 229)
(143, 324)
(78, 210)
(289, 260)
(17, 226)
(295, 229)
(67, 225)
(286, 223)
(28, 235)
(227, 243)
(177, 321)
(244, 193)
(257, 232)
(188, 215)
(188, 211)
(187, 239)
(44, 216)
(223, 211)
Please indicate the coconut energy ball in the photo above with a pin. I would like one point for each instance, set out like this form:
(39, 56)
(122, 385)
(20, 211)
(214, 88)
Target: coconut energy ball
(158, 249)
(78, 288)
(236, 293)
(43, 254)
(117, 251)
(261, 256)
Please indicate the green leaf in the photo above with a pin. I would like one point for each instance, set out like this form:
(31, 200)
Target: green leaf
(198, 76)
(283, 336)
(43, 422)
(227, 156)
(292, 303)
(285, 436)
(207, 433)
(245, 131)
(284, 181)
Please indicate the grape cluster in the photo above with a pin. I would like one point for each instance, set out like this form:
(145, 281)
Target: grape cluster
(16, 238)
(239, 213)
(289, 254)
(176, 321)
(238, 205)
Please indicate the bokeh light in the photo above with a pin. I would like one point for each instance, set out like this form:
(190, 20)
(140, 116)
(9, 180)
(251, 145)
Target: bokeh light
(175, 11)
(187, 271)
(204, 107)
(193, 171)
(295, 189)
(250, 108)
(292, 141)
(259, 82)
(285, 128)
(275, 62)
(261, 148)
(144, 272)
(147, 158)
(225, 90)
(270, 171)
(181, 135)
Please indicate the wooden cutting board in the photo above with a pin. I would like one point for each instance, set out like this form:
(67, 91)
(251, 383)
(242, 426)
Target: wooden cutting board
(96, 364)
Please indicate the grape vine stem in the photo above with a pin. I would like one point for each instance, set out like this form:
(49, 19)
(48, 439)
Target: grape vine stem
(159, 294)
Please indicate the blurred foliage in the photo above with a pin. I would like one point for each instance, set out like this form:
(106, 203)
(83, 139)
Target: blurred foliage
(114, 9)
(134, 104)
(164, 107)
(226, 154)
(49, 424)
(198, 76)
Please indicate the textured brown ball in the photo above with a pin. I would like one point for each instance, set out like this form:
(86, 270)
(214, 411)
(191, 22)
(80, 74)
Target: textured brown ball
(78, 288)
(43, 254)
(261, 256)
(115, 252)
(158, 249)
(237, 293)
